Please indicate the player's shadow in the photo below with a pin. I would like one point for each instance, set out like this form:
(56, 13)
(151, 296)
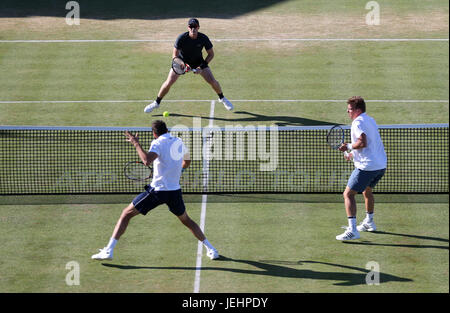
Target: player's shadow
(136, 9)
(402, 245)
(411, 236)
(251, 117)
(276, 268)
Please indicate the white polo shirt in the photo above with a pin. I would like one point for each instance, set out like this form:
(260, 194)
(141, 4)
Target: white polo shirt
(373, 157)
(167, 166)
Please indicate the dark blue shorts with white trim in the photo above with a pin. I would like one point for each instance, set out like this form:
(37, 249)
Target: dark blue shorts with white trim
(150, 199)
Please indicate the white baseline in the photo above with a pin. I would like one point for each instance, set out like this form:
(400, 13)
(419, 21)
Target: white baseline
(230, 40)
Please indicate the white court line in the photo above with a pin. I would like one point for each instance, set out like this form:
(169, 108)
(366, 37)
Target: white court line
(337, 39)
(198, 266)
(234, 100)
(233, 40)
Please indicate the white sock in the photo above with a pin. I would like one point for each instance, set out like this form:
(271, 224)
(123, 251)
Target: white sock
(352, 223)
(207, 244)
(111, 244)
(369, 216)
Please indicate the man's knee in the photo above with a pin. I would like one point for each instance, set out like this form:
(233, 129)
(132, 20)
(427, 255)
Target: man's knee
(186, 220)
(209, 77)
(348, 193)
(214, 82)
(169, 82)
(171, 79)
(367, 193)
(129, 212)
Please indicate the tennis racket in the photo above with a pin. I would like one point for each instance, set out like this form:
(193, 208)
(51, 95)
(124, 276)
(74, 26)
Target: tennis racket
(181, 68)
(335, 137)
(138, 171)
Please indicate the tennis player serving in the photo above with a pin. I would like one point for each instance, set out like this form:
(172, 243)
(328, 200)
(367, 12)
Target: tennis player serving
(370, 161)
(164, 188)
(189, 47)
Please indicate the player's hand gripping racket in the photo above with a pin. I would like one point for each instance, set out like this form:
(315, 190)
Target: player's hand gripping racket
(180, 68)
(137, 171)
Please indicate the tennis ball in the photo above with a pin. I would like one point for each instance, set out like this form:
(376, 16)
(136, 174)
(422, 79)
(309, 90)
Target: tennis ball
(166, 114)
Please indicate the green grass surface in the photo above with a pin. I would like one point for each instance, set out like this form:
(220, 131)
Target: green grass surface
(265, 247)
(282, 245)
(378, 71)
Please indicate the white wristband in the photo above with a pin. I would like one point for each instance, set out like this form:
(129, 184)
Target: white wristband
(349, 147)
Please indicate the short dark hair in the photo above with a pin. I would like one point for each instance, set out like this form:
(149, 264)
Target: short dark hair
(159, 127)
(357, 102)
(193, 23)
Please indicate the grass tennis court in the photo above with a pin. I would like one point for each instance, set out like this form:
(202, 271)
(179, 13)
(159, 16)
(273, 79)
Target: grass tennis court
(269, 247)
(269, 243)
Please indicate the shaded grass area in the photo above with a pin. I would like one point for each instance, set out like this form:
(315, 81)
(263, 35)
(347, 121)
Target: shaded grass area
(159, 9)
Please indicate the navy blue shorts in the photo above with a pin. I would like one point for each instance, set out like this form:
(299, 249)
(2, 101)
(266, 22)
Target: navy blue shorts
(360, 180)
(196, 64)
(150, 199)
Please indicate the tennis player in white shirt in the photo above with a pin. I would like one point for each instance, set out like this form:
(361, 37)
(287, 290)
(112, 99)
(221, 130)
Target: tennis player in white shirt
(169, 157)
(369, 158)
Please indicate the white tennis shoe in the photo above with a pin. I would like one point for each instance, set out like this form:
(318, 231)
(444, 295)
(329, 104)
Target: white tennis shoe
(104, 254)
(348, 235)
(212, 254)
(366, 226)
(152, 106)
(227, 104)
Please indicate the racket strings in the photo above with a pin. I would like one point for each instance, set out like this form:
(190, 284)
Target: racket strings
(178, 66)
(335, 138)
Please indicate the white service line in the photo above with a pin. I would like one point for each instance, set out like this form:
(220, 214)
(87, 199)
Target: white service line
(198, 265)
(336, 39)
(234, 100)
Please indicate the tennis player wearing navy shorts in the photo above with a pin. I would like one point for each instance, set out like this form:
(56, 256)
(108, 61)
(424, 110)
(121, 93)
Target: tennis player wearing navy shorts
(189, 46)
(169, 156)
(369, 158)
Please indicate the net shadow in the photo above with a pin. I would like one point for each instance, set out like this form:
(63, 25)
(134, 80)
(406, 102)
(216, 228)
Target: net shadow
(221, 198)
(251, 117)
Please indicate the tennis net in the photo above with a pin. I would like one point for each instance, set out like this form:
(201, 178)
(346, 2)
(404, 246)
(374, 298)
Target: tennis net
(90, 160)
